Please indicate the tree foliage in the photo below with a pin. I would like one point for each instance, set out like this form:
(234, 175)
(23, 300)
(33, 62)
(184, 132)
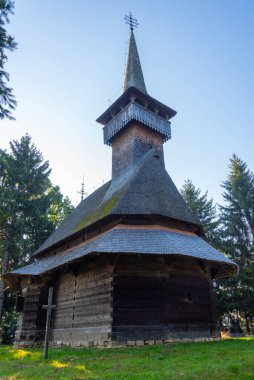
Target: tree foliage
(30, 206)
(237, 220)
(7, 43)
(203, 208)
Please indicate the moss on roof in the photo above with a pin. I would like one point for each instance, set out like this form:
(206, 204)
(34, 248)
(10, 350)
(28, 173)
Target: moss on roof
(146, 189)
(104, 209)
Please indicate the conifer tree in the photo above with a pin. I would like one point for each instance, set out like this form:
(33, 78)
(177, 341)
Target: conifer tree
(30, 207)
(237, 219)
(7, 100)
(203, 208)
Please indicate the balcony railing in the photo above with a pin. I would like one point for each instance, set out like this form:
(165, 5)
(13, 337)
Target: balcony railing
(136, 112)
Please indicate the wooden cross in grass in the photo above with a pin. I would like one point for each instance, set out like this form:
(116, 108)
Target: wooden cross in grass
(49, 308)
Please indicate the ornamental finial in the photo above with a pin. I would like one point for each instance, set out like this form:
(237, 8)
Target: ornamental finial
(133, 22)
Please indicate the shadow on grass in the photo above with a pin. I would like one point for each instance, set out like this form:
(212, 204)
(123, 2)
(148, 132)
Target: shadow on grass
(227, 360)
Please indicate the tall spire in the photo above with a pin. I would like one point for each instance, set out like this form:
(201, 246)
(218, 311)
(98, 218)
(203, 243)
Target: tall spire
(133, 75)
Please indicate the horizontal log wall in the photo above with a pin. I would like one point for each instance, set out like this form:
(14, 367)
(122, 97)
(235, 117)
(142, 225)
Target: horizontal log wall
(83, 305)
(156, 298)
(122, 299)
(32, 319)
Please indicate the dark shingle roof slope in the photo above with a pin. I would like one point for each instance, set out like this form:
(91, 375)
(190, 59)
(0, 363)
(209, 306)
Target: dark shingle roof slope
(77, 219)
(145, 189)
(130, 240)
(133, 75)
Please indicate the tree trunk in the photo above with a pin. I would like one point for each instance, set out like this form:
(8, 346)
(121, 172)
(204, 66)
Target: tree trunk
(247, 324)
(1, 296)
(2, 285)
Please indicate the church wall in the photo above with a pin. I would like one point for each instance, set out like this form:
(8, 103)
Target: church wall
(32, 319)
(122, 300)
(162, 299)
(83, 299)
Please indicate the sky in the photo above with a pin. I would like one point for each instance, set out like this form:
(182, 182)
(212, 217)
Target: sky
(197, 57)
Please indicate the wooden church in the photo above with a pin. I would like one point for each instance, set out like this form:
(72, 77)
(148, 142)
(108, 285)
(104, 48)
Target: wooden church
(129, 266)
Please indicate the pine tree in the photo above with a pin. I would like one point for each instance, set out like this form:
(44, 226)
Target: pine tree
(7, 100)
(203, 208)
(60, 207)
(8, 227)
(237, 219)
(31, 207)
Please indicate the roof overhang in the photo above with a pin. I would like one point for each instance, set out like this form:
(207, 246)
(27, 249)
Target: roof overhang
(129, 95)
(140, 240)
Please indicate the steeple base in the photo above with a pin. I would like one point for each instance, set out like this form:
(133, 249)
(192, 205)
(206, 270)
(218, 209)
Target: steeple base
(130, 146)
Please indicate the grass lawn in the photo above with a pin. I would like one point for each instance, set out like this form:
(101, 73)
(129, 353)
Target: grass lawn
(226, 360)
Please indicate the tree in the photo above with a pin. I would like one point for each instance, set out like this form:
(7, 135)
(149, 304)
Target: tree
(237, 219)
(8, 232)
(31, 207)
(7, 100)
(203, 208)
(60, 207)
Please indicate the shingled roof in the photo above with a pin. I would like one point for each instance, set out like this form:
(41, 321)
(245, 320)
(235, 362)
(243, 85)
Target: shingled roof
(134, 76)
(145, 189)
(121, 239)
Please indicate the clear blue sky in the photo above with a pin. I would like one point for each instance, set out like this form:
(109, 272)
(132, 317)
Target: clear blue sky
(197, 57)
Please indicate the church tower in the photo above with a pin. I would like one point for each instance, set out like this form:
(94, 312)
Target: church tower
(130, 265)
(136, 122)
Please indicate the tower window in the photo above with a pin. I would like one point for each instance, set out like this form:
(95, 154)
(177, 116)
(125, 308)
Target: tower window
(150, 108)
(162, 114)
(140, 102)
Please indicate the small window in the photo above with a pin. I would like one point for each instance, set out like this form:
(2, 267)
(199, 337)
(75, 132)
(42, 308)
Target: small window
(162, 114)
(150, 108)
(117, 112)
(140, 102)
(19, 304)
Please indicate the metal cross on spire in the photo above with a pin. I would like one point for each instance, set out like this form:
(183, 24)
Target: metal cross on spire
(133, 22)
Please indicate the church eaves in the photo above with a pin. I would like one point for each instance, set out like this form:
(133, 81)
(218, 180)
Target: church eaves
(133, 75)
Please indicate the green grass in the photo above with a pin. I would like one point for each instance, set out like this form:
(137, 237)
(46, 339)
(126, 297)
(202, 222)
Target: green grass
(227, 360)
